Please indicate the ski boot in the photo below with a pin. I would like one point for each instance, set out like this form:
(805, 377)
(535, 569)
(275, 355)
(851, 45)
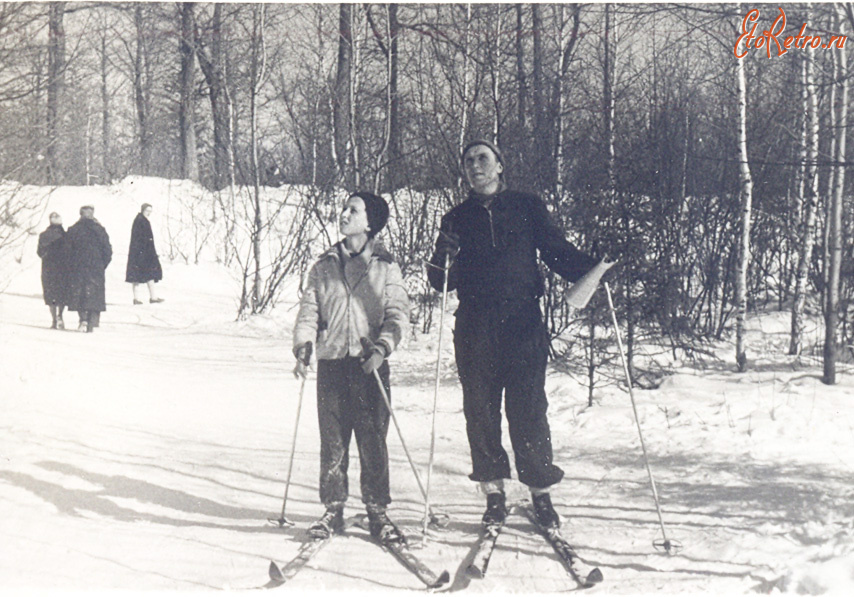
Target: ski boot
(332, 522)
(496, 509)
(381, 527)
(545, 512)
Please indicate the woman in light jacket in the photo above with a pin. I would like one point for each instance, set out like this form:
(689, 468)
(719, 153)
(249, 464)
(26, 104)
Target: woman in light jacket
(355, 309)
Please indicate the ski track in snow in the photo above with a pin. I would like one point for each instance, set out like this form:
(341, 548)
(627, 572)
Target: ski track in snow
(149, 454)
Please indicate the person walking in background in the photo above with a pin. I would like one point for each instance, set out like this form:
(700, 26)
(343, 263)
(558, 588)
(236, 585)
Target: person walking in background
(89, 254)
(52, 251)
(500, 340)
(143, 263)
(355, 308)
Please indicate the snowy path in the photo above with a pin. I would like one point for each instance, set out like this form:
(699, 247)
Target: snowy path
(149, 454)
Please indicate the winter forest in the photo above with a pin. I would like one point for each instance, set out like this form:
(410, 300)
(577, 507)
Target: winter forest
(717, 182)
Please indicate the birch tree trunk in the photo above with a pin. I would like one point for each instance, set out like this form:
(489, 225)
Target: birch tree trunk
(257, 68)
(807, 224)
(608, 114)
(794, 214)
(830, 175)
(608, 100)
(746, 188)
(395, 148)
(834, 222)
(464, 117)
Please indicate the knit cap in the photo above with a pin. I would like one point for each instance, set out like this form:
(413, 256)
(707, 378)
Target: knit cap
(499, 156)
(376, 209)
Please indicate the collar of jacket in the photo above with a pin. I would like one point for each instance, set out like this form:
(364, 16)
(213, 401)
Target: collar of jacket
(478, 199)
(378, 252)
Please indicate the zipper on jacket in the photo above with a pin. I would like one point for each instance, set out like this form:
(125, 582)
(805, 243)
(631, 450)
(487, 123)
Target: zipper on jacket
(491, 227)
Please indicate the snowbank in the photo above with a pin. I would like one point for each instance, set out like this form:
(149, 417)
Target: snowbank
(148, 455)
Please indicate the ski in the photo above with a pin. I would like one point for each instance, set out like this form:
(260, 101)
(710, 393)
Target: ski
(584, 575)
(411, 562)
(309, 548)
(483, 548)
(403, 554)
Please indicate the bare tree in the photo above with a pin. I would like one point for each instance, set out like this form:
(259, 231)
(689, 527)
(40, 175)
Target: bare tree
(521, 84)
(567, 46)
(106, 99)
(141, 90)
(186, 102)
(256, 80)
(211, 50)
(808, 218)
(341, 98)
(55, 87)
(834, 223)
(746, 184)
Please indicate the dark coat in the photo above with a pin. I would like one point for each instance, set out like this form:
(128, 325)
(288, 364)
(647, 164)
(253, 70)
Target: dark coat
(143, 264)
(89, 253)
(499, 246)
(52, 249)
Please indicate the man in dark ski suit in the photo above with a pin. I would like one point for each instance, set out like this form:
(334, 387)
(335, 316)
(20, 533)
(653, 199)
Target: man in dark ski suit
(89, 253)
(500, 340)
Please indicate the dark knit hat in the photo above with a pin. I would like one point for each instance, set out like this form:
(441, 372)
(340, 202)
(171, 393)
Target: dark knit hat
(498, 155)
(376, 209)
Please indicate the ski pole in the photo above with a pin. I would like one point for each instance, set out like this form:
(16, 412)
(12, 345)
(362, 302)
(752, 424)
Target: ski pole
(667, 544)
(435, 398)
(387, 402)
(282, 521)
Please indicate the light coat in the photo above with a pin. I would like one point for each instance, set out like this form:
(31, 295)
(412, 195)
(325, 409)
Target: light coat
(347, 298)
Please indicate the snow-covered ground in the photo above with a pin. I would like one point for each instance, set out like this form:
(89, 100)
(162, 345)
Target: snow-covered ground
(149, 454)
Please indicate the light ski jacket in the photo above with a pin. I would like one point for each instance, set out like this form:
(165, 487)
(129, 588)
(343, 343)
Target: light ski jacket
(347, 298)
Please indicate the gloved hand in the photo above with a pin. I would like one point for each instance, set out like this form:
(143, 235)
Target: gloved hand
(303, 355)
(373, 355)
(448, 244)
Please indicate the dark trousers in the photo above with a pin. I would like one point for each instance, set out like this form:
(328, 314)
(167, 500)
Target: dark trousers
(502, 347)
(93, 318)
(348, 403)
